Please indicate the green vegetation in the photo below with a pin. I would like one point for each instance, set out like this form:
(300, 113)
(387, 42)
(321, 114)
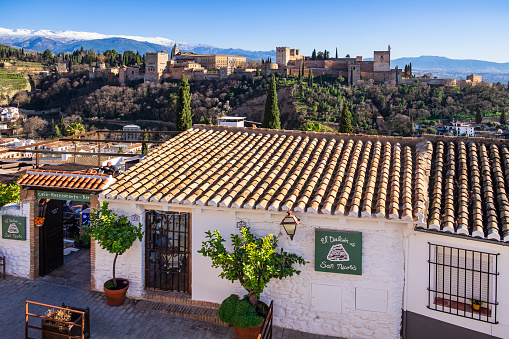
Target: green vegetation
(345, 121)
(316, 127)
(240, 313)
(271, 114)
(9, 194)
(183, 117)
(253, 261)
(397, 105)
(114, 233)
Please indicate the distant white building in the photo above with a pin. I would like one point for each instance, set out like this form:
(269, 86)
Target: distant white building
(131, 136)
(231, 121)
(458, 128)
(9, 114)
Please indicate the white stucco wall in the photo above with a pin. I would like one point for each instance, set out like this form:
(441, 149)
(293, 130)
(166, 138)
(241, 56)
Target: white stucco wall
(417, 294)
(383, 273)
(383, 270)
(17, 252)
(130, 265)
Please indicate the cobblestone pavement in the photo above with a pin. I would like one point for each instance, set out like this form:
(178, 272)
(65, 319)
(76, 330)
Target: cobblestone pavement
(125, 321)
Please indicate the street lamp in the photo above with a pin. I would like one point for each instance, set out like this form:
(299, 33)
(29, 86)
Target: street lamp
(290, 223)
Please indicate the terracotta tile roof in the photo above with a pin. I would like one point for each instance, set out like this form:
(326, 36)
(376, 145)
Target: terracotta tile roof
(271, 170)
(468, 189)
(63, 179)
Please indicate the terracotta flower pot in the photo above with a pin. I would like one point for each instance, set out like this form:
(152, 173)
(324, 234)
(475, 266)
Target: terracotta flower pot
(476, 307)
(250, 332)
(116, 297)
(247, 333)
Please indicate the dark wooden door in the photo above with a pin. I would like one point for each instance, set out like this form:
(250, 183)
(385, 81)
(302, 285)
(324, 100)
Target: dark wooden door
(167, 251)
(52, 237)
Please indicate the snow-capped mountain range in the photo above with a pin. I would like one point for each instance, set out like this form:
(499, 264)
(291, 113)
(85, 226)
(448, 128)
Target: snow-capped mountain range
(19, 35)
(68, 41)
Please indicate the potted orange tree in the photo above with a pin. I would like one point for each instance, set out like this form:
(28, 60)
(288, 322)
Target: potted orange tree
(116, 234)
(253, 262)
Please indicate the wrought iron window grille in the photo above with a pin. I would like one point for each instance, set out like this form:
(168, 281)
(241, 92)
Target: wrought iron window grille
(463, 282)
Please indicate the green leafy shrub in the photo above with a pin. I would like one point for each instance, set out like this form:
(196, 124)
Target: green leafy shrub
(246, 316)
(240, 313)
(9, 194)
(253, 261)
(228, 308)
(114, 233)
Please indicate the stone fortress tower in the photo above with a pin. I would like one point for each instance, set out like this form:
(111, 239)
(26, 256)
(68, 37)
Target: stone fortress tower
(155, 65)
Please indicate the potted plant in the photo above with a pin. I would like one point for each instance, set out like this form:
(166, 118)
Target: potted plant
(82, 241)
(61, 324)
(116, 234)
(476, 304)
(253, 262)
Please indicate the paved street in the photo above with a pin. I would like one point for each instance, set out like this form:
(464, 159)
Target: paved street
(125, 321)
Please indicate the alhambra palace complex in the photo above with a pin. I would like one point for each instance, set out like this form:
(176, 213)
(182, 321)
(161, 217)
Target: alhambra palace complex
(159, 66)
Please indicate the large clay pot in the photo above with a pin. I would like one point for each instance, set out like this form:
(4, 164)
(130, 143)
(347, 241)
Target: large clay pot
(250, 332)
(247, 333)
(116, 297)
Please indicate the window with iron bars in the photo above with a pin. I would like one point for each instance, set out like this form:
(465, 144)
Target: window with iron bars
(463, 282)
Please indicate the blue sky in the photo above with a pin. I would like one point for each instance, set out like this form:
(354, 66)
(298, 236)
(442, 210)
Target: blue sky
(455, 29)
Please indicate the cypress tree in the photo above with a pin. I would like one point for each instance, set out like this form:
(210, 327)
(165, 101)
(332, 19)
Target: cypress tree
(345, 120)
(300, 75)
(310, 78)
(183, 120)
(303, 69)
(503, 119)
(144, 146)
(336, 52)
(271, 114)
(478, 117)
(313, 56)
(257, 71)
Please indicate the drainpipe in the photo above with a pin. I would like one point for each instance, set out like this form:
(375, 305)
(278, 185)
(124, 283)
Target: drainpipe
(405, 287)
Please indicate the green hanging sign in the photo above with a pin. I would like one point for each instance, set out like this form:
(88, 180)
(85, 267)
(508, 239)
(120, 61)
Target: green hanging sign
(338, 252)
(13, 228)
(62, 196)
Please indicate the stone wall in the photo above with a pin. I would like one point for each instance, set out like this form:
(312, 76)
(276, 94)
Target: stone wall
(294, 305)
(17, 252)
(295, 298)
(382, 61)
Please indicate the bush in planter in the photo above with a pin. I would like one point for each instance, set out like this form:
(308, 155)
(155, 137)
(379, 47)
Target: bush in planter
(253, 261)
(114, 233)
(240, 313)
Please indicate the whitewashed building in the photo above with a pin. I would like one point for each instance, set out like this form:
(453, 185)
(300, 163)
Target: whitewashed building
(461, 129)
(403, 236)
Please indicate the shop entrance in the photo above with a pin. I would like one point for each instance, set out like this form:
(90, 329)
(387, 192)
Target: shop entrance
(63, 248)
(167, 251)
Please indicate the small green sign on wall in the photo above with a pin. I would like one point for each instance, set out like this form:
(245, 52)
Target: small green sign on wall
(13, 227)
(62, 196)
(338, 251)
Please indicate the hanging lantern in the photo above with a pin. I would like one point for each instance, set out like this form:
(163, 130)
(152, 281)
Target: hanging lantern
(290, 223)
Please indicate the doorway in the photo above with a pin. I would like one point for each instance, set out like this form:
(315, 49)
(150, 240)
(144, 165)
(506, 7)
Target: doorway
(64, 252)
(167, 251)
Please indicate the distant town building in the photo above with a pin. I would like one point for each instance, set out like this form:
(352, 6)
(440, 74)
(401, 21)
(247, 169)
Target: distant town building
(63, 66)
(287, 54)
(353, 69)
(461, 129)
(155, 66)
(474, 79)
(231, 121)
(131, 136)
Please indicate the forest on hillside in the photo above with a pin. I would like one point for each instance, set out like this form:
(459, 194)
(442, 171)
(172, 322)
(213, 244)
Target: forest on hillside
(318, 101)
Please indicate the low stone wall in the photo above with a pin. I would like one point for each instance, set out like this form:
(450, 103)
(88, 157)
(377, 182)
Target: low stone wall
(16, 252)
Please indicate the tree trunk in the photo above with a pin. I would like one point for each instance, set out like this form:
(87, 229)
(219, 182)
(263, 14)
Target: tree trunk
(253, 298)
(114, 263)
